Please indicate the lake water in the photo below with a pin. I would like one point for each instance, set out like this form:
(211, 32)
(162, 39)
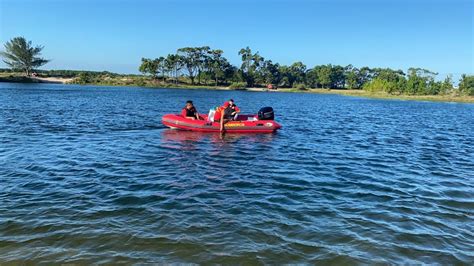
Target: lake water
(89, 175)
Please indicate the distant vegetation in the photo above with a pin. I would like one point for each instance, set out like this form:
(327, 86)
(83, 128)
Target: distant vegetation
(203, 66)
(466, 86)
(21, 55)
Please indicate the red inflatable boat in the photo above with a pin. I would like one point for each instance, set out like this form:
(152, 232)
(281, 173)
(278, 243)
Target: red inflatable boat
(242, 124)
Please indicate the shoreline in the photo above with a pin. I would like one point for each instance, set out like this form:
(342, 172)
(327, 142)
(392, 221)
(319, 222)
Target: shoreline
(53, 80)
(344, 92)
(372, 95)
(386, 96)
(23, 79)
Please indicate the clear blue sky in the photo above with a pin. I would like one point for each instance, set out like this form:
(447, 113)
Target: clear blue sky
(114, 35)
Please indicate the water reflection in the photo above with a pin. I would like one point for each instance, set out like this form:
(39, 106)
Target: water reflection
(181, 136)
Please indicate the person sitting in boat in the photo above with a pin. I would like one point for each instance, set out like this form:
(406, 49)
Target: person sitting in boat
(226, 112)
(232, 109)
(190, 112)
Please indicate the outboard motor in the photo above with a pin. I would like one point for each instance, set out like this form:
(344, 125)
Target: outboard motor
(266, 113)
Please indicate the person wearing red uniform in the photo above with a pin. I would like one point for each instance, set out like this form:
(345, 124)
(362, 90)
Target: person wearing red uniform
(226, 112)
(190, 112)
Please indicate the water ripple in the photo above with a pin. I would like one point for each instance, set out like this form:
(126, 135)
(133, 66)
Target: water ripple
(89, 175)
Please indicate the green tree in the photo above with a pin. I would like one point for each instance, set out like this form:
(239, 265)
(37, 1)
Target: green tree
(84, 78)
(387, 74)
(271, 73)
(421, 82)
(161, 62)
(365, 75)
(352, 77)
(324, 74)
(355, 78)
(385, 79)
(252, 67)
(466, 85)
(447, 86)
(247, 57)
(338, 79)
(381, 85)
(173, 64)
(191, 61)
(218, 67)
(203, 55)
(284, 72)
(258, 68)
(149, 66)
(312, 78)
(20, 54)
(297, 73)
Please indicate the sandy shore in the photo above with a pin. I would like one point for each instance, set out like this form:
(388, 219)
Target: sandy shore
(53, 80)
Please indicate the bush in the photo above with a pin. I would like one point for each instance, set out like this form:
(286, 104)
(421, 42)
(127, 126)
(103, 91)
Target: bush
(466, 86)
(238, 85)
(381, 85)
(84, 78)
(300, 87)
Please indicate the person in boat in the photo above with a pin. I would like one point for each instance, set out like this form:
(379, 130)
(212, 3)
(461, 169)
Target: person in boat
(190, 112)
(227, 112)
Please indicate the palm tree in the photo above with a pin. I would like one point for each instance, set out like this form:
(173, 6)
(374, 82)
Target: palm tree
(20, 54)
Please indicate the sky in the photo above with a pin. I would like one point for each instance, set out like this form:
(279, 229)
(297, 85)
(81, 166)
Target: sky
(115, 35)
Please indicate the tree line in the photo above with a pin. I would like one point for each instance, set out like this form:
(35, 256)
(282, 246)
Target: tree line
(205, 66)
(197, 63)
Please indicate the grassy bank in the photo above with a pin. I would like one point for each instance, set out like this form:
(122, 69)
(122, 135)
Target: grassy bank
(107, 79)
(383, 95)
(16, 78)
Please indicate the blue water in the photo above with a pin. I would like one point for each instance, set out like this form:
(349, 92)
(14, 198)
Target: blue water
(89, 175)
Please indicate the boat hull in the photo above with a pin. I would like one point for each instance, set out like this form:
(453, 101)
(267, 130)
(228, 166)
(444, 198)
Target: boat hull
(242, 125)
